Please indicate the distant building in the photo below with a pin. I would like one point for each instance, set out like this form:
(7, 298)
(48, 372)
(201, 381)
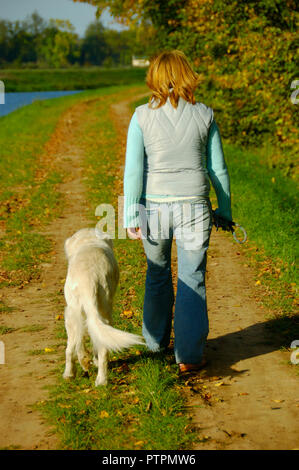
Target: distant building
(139, 61)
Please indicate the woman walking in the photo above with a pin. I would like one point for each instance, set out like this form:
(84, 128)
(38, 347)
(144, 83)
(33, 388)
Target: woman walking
(173, 151)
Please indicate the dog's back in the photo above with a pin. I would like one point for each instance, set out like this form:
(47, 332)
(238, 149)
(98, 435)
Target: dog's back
(93, 270)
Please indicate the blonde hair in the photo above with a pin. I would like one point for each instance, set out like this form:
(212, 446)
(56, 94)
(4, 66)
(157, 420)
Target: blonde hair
(171, 75)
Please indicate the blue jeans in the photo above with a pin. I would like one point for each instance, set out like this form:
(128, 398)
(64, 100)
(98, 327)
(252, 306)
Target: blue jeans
(190, 223)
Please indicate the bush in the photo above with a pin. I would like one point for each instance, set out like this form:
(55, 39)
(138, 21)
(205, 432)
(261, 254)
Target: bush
(246, 55)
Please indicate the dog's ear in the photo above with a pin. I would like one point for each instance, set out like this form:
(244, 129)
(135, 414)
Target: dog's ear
(66, 247)
(66, 243)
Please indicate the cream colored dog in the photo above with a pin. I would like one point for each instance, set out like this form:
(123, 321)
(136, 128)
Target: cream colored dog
(90, 285)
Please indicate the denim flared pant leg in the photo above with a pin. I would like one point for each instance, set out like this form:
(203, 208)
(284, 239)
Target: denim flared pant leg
(159, 295)
(190, 315)
(191, 324)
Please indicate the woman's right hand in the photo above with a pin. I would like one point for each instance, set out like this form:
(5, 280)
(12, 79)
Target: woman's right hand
(134, 233)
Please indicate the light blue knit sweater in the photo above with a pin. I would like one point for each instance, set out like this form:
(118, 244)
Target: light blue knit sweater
(133, 174)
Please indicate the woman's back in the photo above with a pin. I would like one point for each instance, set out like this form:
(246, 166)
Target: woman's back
(175, 141)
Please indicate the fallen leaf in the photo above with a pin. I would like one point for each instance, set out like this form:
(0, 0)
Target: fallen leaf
(218, 384)
(127, 314)
(104, 414)
(204, 438)
(207, 396)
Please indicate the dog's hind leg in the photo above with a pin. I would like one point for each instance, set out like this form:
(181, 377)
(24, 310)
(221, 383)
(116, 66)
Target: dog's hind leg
(74, 330)
(102, 362)
(83, 356)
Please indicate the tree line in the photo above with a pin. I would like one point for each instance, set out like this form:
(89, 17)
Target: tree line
(36, 42)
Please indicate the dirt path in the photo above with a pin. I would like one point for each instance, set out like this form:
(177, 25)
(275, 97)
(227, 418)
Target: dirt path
(247, 397)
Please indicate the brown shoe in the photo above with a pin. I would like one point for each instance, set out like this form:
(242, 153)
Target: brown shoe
(184, 368)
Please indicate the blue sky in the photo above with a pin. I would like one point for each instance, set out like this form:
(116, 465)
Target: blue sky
(79, 14)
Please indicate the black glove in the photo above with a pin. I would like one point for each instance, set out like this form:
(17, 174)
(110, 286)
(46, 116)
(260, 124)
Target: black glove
(225, 224)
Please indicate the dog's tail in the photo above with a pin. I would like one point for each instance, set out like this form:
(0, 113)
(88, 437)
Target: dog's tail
(106, 335)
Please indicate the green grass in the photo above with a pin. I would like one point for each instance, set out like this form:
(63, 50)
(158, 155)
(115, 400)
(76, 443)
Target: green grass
(32, 328)
(140, 408)
(6, 329)
(4, 308)
(266, 203)
(81, 78)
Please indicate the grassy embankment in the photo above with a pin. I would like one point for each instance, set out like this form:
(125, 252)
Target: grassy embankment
(83, 78)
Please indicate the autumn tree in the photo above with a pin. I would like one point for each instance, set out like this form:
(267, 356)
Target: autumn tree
(59, 45)
(158, 19)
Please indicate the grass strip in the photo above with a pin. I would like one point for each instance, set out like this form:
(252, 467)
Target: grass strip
(81, 78)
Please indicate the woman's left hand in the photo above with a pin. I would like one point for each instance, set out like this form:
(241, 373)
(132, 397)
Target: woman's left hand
(134, 233)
